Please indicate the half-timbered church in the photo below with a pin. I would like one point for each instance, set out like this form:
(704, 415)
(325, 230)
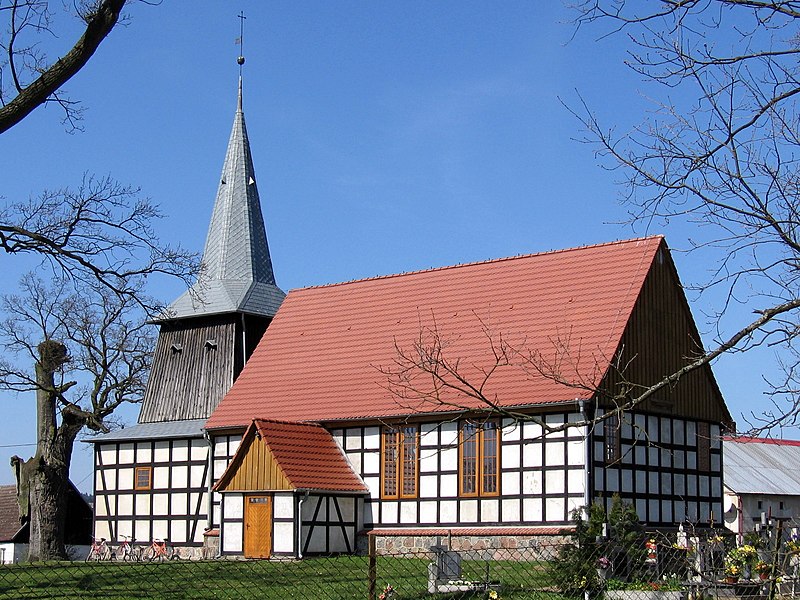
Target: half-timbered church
(458, 401)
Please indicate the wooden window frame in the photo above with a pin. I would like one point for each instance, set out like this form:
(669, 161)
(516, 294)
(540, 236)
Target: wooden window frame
(482, 478)
(149, 471)
(395, 439)
(612, 440)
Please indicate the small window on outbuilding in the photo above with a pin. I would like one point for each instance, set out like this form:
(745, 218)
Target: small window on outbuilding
(143, 478)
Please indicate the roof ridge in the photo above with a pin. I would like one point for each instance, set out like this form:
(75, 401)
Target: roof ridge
(744, 439)
(285, 422)
(480, 262)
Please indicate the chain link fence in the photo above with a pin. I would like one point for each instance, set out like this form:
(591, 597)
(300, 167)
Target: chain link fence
(598, 563)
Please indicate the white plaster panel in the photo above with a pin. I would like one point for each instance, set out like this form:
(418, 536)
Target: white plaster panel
(449, 459)
(716, 487)
(449, 434)
(408, 512)
(691, 460)
(716, 440)
(178, 532)
(598, 479)
(389, 512)
(509, 457)
(511, 430)
(180, 477)
(679, 484)
(233, 444)
(599, 449)
(576, 481)
(652, 428)
(705, 489)
(641, 509)
(124, 529)
(429, 434)
(532, 482)
(428, 462)
(283, 506)
(554, 482)
(161, 452)
(612, 480)
(126, 454)
(427, 512)
(555, 509)
(125, 479)
(678, 436)
(627, 480)
(627, 426)
(234, 506)
(141, 530)
(232, 537)
(108, 454)
(216, 511)
(679, 459)
(427, 486)
(555, 421)
(691, 485)
(143, 505)
(160, 478)
(160, 529)
(532, 454)
(666, 458)
(198, 535)
(666, 484)
(666, 511)
(576, 454)
(160, 504)
(641, 482)
(220, 447)
(336, 540)
(355, 461)
(178, 504)
(110, 477)
(574, 504)
(654, 510)
(469, 511)
(102, 529)
(490, 510)
(510, 483)
(125, 504)
(640, 455)
(353, 438)
(193, 499)
(652, 456)
(715, 462)
(532, 509)
(196, 476)
(531, 431)
(198, 450)
(318, 540)
(666, 431)
(100, 506)
(627, 454)
(447, 511)
(317, 505)
(449, 486)
(283, 537)
(511, 510)
(691, 434)
(180, 450)
(337, 435)
(371, 463)
(652, 482)
(372, 438)
(219, 468)
(347, 506)
(374, 485)
(144, 453)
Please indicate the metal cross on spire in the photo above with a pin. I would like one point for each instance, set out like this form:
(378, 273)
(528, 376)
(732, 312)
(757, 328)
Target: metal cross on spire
(240, 41)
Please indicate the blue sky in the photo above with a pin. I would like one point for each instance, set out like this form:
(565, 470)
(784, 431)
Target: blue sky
(387, 137)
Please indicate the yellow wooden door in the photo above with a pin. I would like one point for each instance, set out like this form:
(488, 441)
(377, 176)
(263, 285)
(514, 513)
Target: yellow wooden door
(257, 526)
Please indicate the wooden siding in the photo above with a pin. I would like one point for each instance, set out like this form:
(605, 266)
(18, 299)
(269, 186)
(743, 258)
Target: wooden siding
(256, 470)
(193, 367)
(659, 339)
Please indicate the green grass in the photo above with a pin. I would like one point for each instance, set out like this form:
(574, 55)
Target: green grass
(311, 578)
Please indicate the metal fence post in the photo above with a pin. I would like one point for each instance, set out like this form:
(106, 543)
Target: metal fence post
(373, 564)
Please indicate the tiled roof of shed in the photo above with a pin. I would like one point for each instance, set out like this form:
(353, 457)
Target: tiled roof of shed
(320, 359)
(192, 428)
(9, 513)
(237, 274)
(762, 466)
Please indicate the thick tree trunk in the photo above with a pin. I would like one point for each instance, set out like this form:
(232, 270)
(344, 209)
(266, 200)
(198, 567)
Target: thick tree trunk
(43, 481)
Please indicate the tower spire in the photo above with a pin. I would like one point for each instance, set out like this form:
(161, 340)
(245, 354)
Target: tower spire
(240, 58)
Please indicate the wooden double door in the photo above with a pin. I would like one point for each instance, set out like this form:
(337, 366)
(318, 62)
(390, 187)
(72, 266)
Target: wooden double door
(257, 526)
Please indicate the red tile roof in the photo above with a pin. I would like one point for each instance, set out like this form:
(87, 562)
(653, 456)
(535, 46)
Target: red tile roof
(308, 456)
(320, 358)
(743, 439)
(9, 513)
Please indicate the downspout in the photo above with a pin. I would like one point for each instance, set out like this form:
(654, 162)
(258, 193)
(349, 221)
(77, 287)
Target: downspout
(210, 503)
(587, 452)
(300, 524)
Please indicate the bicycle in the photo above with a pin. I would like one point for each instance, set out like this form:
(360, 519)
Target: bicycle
(99, 550)
(160, 550)
(126, 550)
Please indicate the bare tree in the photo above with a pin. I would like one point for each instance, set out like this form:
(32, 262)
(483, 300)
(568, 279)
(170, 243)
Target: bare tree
(84, 350)
(720, 151)
(28, 78)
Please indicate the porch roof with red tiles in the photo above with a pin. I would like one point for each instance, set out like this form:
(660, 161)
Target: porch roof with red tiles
(321, 358)
(309, 456)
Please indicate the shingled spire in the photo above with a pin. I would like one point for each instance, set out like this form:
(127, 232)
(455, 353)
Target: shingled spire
(237, 268)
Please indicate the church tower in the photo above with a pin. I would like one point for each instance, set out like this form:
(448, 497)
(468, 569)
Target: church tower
(152, 480)
(209, 332)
